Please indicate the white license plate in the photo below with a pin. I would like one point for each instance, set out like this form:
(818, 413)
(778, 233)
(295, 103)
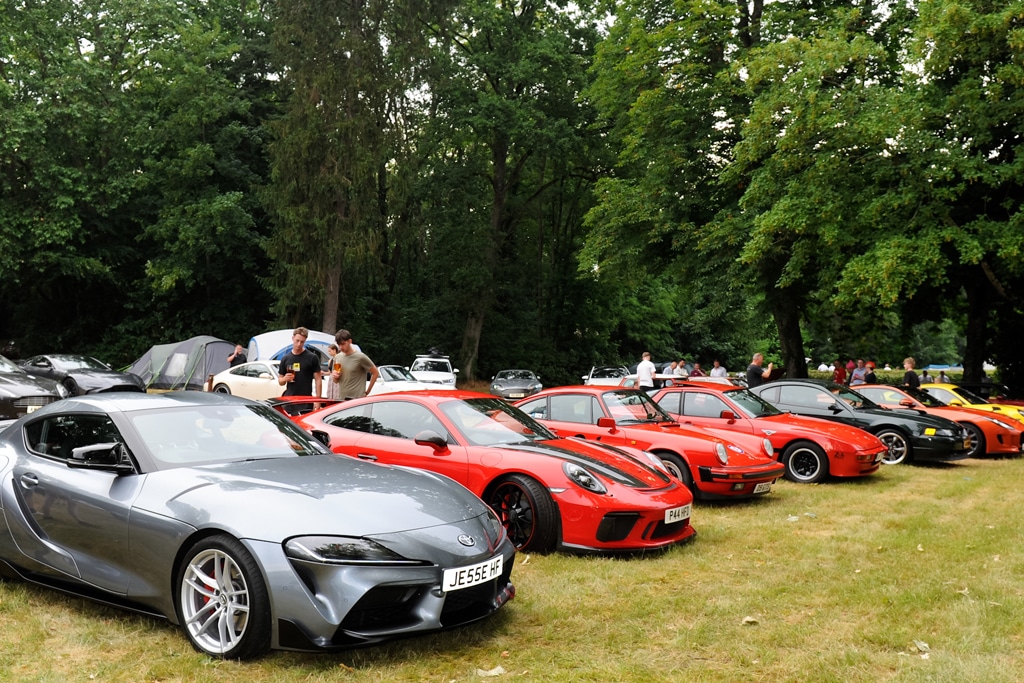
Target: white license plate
(517, 395)
(763, 487)
(677, 514)
(879, 456)
(30, 409)
(464, 577)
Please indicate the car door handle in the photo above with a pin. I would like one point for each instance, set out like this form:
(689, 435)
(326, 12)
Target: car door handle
(29, 480)
(367, 456)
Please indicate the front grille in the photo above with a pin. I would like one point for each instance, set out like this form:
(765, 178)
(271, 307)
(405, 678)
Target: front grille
(662, 529)
(26, 404)
(384, 607)
(615, 526)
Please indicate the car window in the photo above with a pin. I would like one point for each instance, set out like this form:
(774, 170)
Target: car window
(537, 409)
(573, 408)
(257, 369)
(943, 395)
(490, 421)
(357, 419)
(699, 404)
(805, 397)
(58, 436)
(403, 420)
(670, 402)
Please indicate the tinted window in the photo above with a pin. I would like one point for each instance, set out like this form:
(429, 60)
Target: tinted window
(58, 436)
(403, 420)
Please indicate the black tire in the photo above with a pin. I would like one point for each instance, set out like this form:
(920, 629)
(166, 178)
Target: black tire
(806, 462)
(222, 389)
(71, 385)
(227, 618)
(977, 440)
(900, 450)
(679, 468)
(526, 509)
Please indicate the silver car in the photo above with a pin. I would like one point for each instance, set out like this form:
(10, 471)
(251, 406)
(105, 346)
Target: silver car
(227, 519)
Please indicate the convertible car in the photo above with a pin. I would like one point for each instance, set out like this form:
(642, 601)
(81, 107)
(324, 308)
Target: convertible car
(908, 434)
(711, 465)
(989, 433)
(225, 518)
(811, 448)
(550, 493)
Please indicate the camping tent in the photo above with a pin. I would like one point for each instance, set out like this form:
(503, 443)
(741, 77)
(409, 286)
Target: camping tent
(183, 365)
(273, 345)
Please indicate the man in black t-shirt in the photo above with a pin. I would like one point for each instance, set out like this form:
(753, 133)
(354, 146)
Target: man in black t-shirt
(237, 357)
(300, 368)
(756, 375)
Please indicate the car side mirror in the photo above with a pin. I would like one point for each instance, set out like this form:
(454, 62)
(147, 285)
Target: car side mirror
(909, 403)
(836, 408)
(728, 415)
(265, 375)
(108, 457)
(322, 436)
(429, 437)
(606, 423)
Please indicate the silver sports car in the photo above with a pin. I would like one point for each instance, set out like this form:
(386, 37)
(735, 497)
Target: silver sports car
(224, 517)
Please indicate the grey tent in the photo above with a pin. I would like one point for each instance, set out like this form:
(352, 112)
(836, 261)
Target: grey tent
(183, 365)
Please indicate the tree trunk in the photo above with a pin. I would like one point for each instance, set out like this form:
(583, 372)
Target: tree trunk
(471, 344)
(979, 301)
(786, 310)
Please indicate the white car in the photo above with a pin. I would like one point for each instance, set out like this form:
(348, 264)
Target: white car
(396, 378)
(605, 375)
(256, 380)
(434, 369)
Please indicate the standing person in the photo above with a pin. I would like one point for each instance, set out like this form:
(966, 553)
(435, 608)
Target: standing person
(300, 368)
(351, 370)
(334, 364)
(236, 358)
(859, 373)
(669, 369)
(680, 370)
(839, 374)
(717, 370)
(870, 377)
(645, 372)
(926, 378)
(756, 376)
(697, 372)
(910, 378)
(942, 377)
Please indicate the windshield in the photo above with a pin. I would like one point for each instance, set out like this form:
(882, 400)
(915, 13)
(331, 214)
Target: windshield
(203, 434)
(969, 396)
(515, 374)
(395, 373)
(751, 404)
(491, 421)
(608, 373)
(631, 406)
(431, 366)
(9, 368)
(852, 397)
(78, 363)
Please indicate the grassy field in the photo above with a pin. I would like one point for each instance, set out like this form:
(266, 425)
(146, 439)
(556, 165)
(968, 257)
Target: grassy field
(913, 574)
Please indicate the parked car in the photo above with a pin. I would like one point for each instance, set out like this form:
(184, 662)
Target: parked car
(988, 432)
(908, 434)
(512, 384)
(550, 493)
(994, 392)
(82, 374)
(811, 448)
(433, 369)
(22, 393)
(257, 380)
(225, 518)
(956, 395)
(605, 375)
(396, 378)
(711, 465)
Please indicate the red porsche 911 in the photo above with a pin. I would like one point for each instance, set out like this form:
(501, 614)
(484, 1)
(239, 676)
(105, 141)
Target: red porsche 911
(811, 448)
(550, 493)
(711, 465)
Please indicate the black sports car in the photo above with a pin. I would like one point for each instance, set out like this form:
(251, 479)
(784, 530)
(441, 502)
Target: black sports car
(908, 434)
(82, 374)
(21, 393)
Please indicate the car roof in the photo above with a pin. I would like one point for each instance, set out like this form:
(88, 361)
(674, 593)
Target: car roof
(130, 401)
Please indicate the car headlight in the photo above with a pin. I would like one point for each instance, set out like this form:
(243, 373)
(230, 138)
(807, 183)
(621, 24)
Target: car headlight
(496, 527)
(62, 390)
(448, 381)
(583, 478)
(769, 449)
(931, 431)
(656, 462)
(342, 550)
(723, 455)
(1000, 423)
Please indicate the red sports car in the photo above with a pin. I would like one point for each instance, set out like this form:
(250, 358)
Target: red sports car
(711, 465)
(811, 448)
(549, 492)
(990, 432)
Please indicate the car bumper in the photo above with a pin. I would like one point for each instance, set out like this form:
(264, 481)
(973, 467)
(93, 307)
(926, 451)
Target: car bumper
(626, 523)
(855, 464)
(939, 449)
(513, 394)
(726, 482)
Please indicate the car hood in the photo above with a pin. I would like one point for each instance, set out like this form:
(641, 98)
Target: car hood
(613, 463)
(427, 376)
(16, 385)
(103, 378)
(277, 498)
(380, 387)
(747, 447)
(910, 415)
(811, 426)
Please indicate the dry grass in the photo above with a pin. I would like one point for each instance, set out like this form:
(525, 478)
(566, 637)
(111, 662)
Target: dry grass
(835, 582)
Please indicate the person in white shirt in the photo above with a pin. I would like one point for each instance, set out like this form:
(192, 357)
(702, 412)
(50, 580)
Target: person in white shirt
(718, 370)
(824, 367)
(645, 372)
